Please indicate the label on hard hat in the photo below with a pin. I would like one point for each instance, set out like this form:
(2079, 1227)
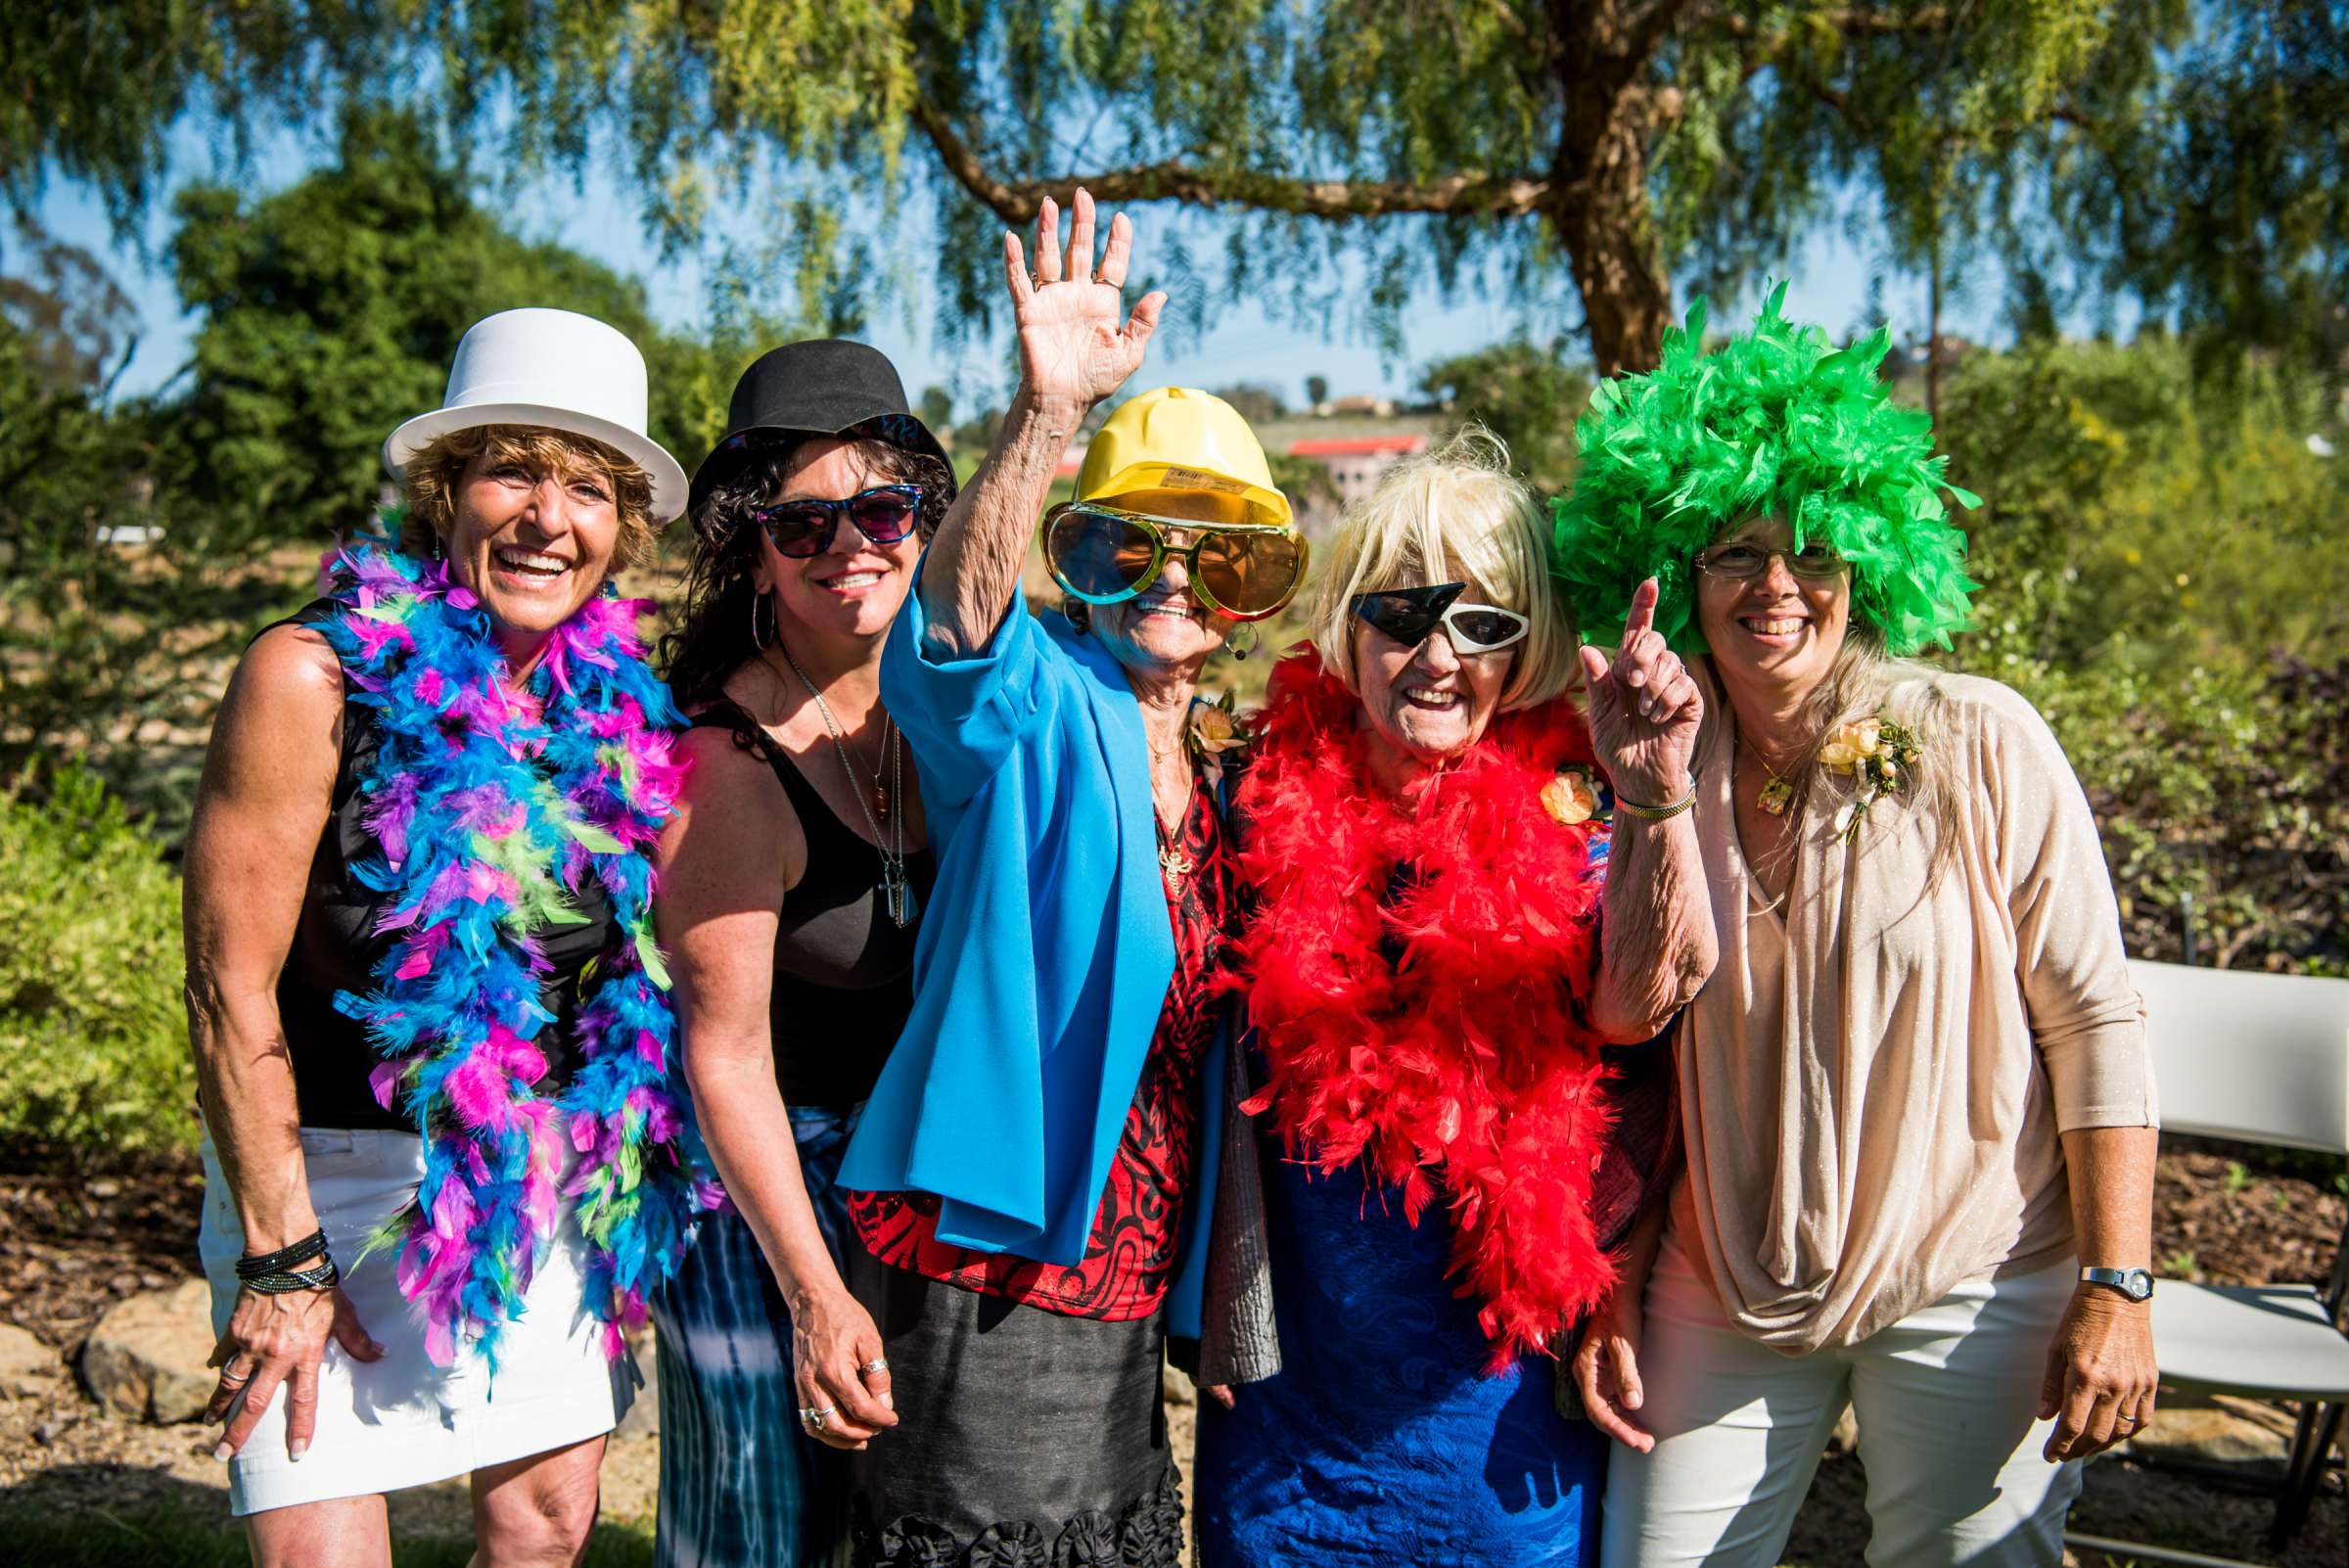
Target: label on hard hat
(1194, 479)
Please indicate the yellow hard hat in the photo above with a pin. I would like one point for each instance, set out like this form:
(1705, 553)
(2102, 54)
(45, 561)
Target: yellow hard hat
(1178, 438)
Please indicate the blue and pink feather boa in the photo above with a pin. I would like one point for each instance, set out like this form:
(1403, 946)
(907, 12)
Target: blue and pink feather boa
(490, 809)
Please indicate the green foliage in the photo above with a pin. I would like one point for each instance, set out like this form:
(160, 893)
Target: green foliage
(2194, 155)
(93, 1039)
(1526, 394)
(2163, 575)
(331, 311)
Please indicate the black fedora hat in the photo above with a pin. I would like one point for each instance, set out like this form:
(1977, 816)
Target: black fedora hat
(823, 386)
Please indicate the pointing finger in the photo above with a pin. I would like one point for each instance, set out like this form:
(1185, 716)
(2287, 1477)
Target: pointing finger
(1642, 614)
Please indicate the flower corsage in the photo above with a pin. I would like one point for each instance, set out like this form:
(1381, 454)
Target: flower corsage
(1215, 728)
(1877, 754)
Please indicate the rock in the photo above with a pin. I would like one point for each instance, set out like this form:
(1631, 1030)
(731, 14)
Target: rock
(145, 1358)
(1179, 1389)
(29, 1369)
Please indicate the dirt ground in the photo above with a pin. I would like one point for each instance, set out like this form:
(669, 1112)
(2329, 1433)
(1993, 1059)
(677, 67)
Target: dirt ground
(71, 1246)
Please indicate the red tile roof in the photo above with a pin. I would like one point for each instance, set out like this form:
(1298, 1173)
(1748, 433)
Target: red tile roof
(1355, 445)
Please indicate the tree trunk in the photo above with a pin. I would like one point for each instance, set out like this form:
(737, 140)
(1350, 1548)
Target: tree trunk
(1603, 222)
(1598, 200)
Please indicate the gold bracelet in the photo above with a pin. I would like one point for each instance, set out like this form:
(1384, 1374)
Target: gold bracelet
(1658, 813)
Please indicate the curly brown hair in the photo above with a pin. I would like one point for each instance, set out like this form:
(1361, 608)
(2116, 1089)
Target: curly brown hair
(712, 635)
(432, 477)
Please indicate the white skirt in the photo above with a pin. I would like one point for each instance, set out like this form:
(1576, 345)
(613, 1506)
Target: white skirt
(402, 1422)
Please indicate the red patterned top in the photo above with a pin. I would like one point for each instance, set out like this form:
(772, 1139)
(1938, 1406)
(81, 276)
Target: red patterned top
(1129, 1257)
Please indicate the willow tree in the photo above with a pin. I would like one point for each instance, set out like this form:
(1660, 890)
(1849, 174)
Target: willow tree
(1592, 151)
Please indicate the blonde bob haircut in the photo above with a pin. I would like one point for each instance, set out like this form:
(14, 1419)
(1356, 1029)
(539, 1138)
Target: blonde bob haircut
(433, 477)
(1450, 514)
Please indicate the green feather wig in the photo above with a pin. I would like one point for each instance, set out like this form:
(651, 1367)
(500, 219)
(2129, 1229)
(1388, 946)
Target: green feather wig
(1776, 422)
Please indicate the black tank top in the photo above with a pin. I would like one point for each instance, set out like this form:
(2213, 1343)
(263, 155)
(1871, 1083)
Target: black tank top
(843, 970)
(335, 946)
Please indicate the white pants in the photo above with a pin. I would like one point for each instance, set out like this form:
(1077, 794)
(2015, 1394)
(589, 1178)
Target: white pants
(1946, 1401)
(402, 1422)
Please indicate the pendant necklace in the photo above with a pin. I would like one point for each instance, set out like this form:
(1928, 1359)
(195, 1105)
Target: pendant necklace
(897, 895)
(1779, 792)
(1172, 863)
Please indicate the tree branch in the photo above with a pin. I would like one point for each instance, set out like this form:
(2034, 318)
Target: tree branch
(1016, 201)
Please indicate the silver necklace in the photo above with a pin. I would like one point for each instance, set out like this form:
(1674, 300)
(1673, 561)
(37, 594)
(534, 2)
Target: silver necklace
(897, 896)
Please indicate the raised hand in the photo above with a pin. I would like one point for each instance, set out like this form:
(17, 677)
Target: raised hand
(1644, 708)
(1076, 344)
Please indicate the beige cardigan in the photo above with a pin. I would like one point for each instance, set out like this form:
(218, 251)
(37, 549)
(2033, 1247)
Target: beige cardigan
(1873, 1081)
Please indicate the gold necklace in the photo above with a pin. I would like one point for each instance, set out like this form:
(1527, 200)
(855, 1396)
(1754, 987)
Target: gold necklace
(1778, 794)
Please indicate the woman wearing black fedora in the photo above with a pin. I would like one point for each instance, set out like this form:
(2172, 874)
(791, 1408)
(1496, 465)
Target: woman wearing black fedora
(793, 880)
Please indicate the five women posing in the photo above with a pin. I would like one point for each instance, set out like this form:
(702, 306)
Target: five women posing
(1749, 1030)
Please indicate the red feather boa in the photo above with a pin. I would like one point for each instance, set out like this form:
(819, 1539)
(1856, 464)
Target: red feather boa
(1440, 1038)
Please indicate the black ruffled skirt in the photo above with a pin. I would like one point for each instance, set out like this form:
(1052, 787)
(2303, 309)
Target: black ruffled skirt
(1025, 1439)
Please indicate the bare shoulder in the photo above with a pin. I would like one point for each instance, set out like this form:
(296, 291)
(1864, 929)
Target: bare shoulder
(281, 720)
(732, 813)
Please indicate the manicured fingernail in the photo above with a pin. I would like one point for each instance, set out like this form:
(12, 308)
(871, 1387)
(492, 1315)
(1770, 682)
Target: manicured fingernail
(224, 1454)
(296, 1451)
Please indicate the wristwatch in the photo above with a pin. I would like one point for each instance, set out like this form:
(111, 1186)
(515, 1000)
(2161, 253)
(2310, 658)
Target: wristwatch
(2134, 1283)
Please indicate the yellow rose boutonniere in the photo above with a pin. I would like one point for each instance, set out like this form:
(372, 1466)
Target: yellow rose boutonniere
(1570, 798)
(1877, 754)
(1215, 729)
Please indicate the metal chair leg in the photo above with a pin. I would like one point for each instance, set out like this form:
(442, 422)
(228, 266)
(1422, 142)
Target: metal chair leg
(2312, 1438)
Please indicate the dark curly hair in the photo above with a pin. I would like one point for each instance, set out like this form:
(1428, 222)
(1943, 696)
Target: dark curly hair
(712, 635)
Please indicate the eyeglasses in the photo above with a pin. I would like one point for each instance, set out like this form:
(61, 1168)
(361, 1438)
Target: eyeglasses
(803, 525)
(1742, 563)
(1410, 617)
(1106, 555)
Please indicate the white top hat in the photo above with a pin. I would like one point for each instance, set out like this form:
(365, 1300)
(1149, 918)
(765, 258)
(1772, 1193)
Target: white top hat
(555, 369)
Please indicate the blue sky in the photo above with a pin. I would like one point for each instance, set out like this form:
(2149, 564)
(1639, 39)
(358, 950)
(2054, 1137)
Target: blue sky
(1831, 285)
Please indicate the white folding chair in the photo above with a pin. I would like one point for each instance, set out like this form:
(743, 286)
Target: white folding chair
(2257, 1059)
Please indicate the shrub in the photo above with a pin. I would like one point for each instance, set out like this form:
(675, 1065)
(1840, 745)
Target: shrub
(93, 1039)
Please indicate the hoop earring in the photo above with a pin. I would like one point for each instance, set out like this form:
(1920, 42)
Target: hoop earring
(1242, 648)
(758, 598)
(1079, 614)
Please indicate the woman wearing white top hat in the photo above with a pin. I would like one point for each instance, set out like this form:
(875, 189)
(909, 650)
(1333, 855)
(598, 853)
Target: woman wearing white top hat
(445, 1160)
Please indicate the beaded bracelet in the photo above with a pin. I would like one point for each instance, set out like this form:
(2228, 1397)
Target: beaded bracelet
(285, 1281)
(310, 1246)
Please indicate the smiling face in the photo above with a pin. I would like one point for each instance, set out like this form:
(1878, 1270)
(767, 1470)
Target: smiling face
(854, 588)
(1166, 628)
(534, 540)
(1776, 631)
(1429, 703)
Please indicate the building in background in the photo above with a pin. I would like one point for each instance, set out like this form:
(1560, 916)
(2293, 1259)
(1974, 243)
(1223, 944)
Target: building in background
(1355, 462)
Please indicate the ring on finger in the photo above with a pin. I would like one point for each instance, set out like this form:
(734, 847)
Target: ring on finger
(879, 1364)
(816, 1414)
(230, 1377)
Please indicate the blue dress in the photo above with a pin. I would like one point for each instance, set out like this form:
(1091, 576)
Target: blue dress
(1381, 1441)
